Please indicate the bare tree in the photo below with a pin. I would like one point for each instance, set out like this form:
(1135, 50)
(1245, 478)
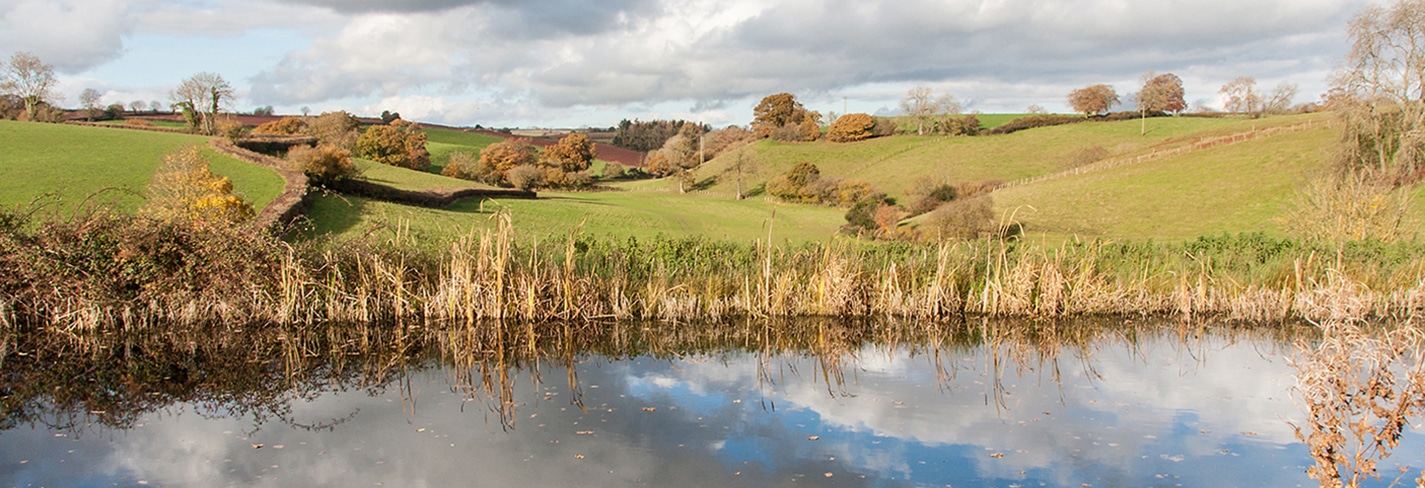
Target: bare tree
(921, 104)
(201, 97)
(1281, 99)
(89, 101)
(1036, 109)
(1383, 83)
(137, 106)
(32, 80)
(1241, 95)
(155, 106)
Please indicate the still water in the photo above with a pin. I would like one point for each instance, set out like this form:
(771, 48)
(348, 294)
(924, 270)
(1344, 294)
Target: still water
(1142, 405)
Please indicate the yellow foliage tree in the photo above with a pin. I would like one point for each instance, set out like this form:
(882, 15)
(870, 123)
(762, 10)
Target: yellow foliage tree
(184, 189)
(400, 144)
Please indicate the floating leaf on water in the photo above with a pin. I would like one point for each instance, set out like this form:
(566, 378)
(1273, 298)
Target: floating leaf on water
(257, 446)
(996, 455)
(649, 409)
(815, 437)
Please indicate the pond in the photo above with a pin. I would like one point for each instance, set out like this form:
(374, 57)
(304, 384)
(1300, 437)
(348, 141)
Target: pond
(981, 403)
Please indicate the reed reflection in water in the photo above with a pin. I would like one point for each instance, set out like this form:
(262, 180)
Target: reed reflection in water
(1106, 402)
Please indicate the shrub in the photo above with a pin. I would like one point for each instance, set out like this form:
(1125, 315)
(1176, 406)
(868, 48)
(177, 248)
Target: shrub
(613, 171)
(496, 160)
(231, 129)
(931, 195)
(335, 128)
(1085, 156)
(525, 177)
(884, 127)
(968, 218)
(874, 215)
(462, 165)
(788, 133)
(401, 144)
(323, 163)
(788, 186)
(851, 128)
(966, 125)
(184, 189)
(282, 126)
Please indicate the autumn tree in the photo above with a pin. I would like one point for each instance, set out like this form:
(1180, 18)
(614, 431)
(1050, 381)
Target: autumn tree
(30, 79)
(1093, 99)
(851, 128)
(575, 152)
(921, 104)
(401, 144)
(1160, 93)
(1241, 95)
(201, 97)
(680, 156)
(496, 160)
(777, 111)
(89, 101)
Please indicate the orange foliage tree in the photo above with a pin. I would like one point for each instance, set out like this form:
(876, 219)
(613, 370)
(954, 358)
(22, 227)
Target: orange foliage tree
(283, 126)
(1093, 99)
(400, 144)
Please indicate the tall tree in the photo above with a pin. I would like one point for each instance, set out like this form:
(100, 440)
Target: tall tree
(776, 111)
(204, 94)
(1160, 93)
(30, 79)
(1383, 83)
(1282, 97)
(1241, 95)
(89, 101)
(921, 104)
(1093, 99)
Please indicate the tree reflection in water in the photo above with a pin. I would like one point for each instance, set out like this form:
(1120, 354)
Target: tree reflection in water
(1361, 384)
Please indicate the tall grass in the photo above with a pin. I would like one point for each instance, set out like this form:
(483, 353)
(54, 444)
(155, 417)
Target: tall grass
(105, 270)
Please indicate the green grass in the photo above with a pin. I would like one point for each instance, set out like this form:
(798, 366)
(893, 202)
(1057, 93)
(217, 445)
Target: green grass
(408, 179)
(891, 164)
(1236, 188)
(617, 214)
(74, 162)
(442, 142)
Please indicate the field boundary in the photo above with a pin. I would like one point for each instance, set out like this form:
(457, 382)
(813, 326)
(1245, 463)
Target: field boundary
(440, 198)
(288, 205)
(1198, 145)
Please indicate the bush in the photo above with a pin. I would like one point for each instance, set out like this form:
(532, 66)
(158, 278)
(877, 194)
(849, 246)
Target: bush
(884, 127)
(498, 159)
(788, 186)
(185, 190)
(968, 218)
(400, 144)
(335, 128)
(788, 133)
(525, 177)
(324, 163)
(613, 171)
(231, 129)
(283, 126)
(462, 165)
(851, 128)
(574, 153)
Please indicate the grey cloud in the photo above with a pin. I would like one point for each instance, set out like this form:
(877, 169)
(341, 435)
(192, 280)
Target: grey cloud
(89, 34)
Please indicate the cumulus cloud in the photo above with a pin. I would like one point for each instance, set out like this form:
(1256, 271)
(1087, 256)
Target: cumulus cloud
(71, 35)
(708, 54)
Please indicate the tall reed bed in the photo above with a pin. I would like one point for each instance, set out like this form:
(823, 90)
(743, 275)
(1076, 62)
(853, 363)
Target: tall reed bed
(116, 271)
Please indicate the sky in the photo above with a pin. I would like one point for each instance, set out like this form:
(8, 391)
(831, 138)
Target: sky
(591, 63)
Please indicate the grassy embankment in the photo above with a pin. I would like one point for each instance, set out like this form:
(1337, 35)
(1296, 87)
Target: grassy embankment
(75, 162)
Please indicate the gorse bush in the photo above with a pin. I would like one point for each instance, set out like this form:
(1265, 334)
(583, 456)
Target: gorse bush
(324, 163)
(284, 126)
(851, 128)
(185, 190)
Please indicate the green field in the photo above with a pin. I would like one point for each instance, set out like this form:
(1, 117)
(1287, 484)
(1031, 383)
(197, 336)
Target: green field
(891, 164)
(616, 214)
(1235, 188)
(75, 162)
(441, 142)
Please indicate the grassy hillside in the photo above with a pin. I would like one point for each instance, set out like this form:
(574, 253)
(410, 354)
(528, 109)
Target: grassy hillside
(892, 164)
(406, 179)
(75, 162)
(1241, 187)
(441, 142)
(615, 213)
